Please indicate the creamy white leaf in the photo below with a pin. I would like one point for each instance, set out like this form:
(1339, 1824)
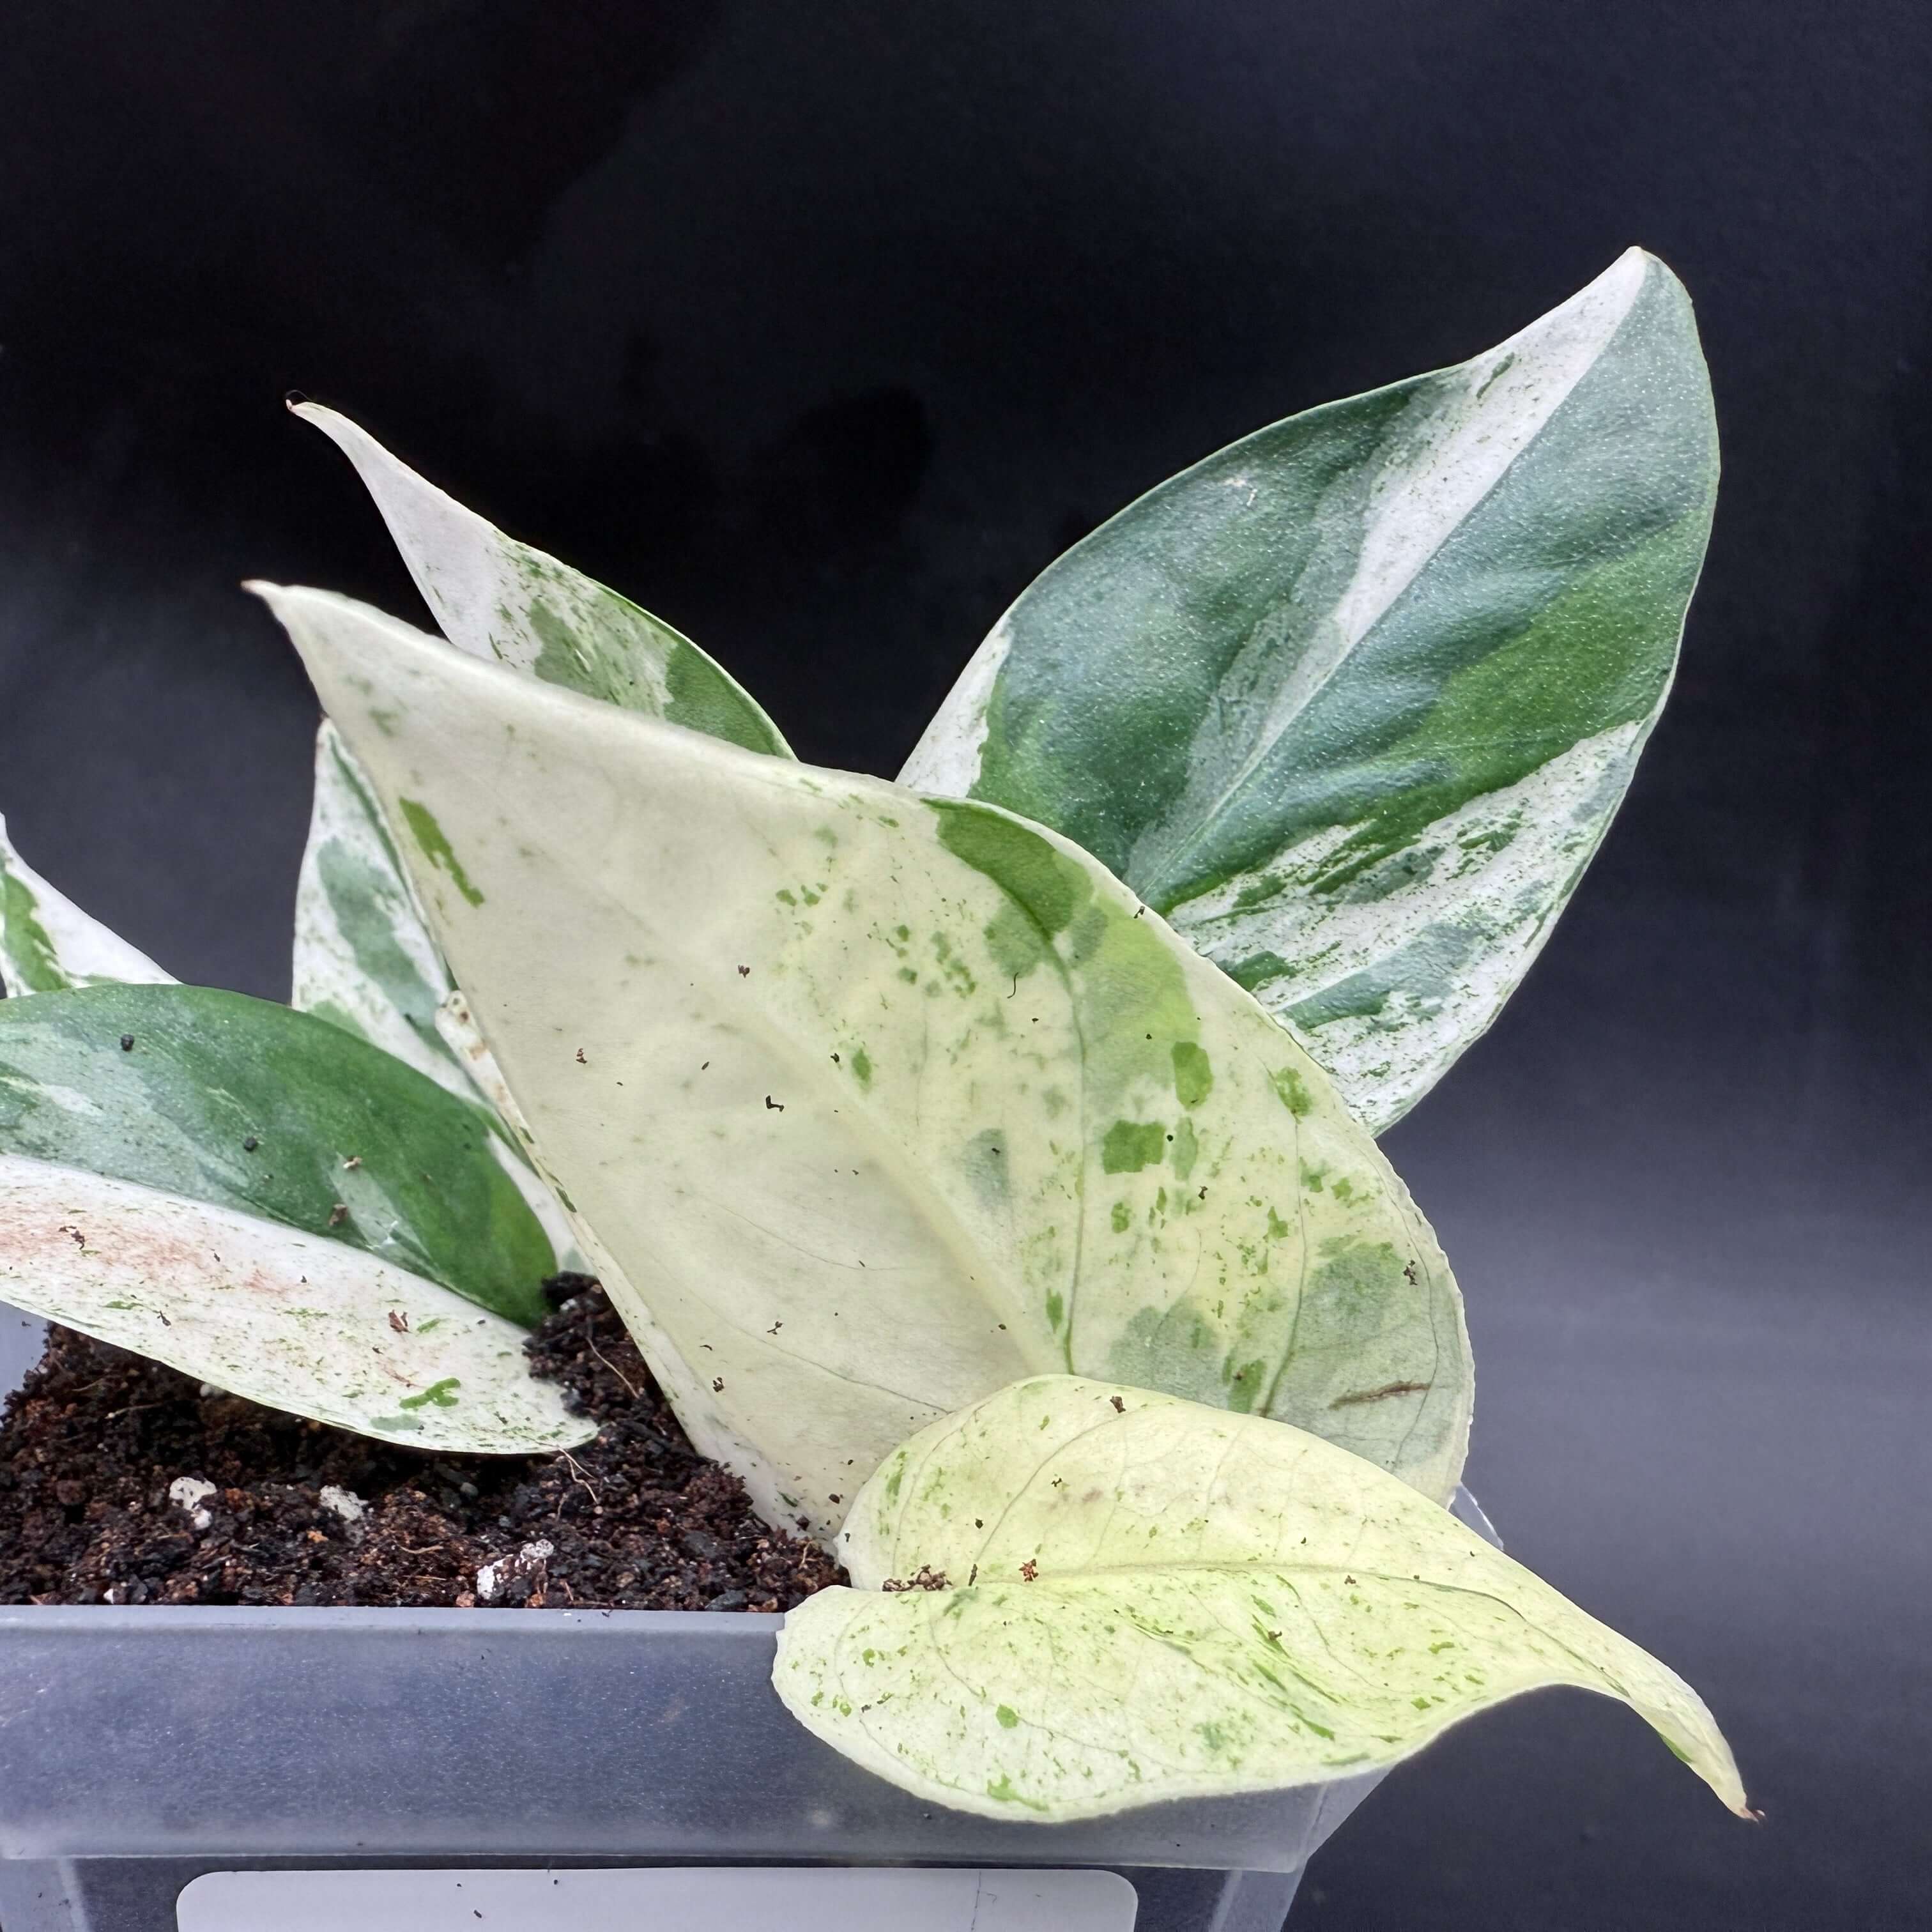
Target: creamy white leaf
(285, 1318)
(1075, 1596)
(879, 1101)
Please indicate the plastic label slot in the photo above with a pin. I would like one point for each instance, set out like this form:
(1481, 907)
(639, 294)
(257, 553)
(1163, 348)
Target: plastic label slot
(661, 1899)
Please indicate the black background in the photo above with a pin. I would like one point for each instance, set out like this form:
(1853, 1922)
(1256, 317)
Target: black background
(820, 329)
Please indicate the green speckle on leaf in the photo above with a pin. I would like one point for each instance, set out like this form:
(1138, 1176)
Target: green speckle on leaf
(862, 1066)
(1193, 1075)
(1293, 1092)
(441, 1394)
(1002, 1788)
(436, 848)
(1008, 1717)
(1186, 1149)
(1257, 970)
(1131, 1145)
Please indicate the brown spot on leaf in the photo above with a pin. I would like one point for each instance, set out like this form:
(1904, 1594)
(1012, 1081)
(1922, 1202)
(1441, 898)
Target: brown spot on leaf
(1382, 1394)
(928, 1578)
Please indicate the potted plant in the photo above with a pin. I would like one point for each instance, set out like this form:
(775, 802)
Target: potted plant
(983, 1163)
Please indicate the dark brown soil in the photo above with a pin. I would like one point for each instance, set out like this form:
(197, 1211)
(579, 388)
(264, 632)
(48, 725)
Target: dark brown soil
(91, 1444)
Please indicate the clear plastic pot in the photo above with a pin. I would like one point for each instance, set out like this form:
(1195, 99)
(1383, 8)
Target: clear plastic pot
(140, 1747)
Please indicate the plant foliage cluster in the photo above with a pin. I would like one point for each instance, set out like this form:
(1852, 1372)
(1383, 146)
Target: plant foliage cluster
(985, 1160)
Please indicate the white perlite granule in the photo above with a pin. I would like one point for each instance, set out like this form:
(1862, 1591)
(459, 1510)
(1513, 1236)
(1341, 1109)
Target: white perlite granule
(186, 1493)
(346, 1503)
(530, 1561)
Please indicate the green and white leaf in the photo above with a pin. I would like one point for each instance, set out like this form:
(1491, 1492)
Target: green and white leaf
(1351, 703)
(245, 1105)
(1144, 1598)
(879, 1102)
(500, 599)
(49, 945)
(289, 1318)
(364, 958)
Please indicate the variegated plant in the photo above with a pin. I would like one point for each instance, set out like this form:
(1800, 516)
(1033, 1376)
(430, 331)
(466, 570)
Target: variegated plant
(897, 1110)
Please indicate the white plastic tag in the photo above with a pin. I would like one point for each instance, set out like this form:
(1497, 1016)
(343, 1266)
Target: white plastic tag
(706, 1898)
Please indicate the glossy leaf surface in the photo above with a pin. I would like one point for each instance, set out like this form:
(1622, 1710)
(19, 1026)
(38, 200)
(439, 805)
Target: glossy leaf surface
(1351, 702)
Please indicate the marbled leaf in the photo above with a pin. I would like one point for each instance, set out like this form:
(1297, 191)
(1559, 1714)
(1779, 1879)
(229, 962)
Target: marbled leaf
(1075, 1597)
(215, 1097)
(1352, 702)
(500, 599)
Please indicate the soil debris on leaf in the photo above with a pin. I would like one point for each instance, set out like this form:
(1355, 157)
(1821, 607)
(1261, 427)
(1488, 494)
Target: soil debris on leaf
(95, 1445)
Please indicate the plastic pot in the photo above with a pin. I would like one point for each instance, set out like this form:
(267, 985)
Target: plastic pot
(141, 1747)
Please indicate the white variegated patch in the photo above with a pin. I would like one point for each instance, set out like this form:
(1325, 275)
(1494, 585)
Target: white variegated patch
(946, 760)
(293, 1320)
(456, 1027)
(49, 945)
(1419, 967)
(1075, 1597)
(1479, 418)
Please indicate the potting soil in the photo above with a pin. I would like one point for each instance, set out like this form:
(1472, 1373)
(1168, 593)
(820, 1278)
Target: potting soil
(123, 1481)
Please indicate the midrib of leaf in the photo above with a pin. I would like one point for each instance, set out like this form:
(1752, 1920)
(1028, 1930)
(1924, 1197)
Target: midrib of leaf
(1300, 693)
(1284, 1572)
